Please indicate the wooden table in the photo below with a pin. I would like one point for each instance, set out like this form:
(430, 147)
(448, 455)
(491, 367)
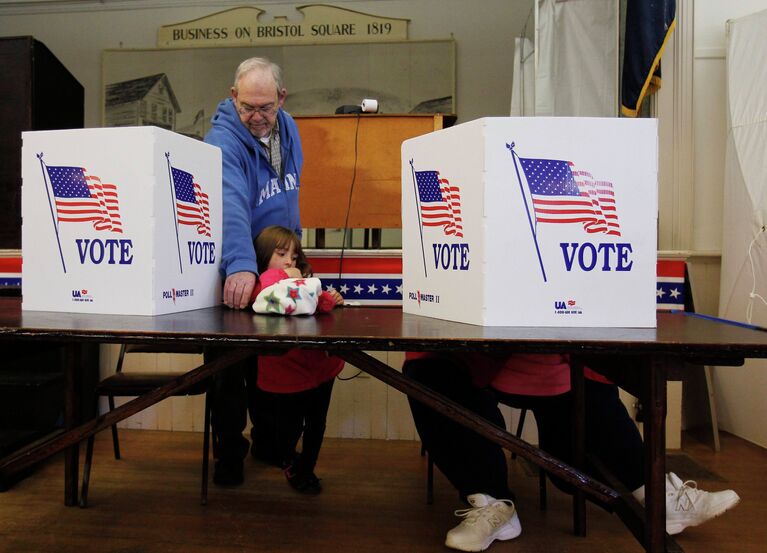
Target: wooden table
(640, 357)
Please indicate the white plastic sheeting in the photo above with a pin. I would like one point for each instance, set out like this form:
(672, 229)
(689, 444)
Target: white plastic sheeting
(523, 90)
(577, 68)
(744, 246)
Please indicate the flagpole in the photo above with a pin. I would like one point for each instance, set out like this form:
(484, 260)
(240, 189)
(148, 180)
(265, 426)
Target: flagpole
(527, 209)
(50, 206)
(418, 211)
(173, 206)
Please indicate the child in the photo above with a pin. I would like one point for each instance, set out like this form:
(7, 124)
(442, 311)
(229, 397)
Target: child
(294, 388)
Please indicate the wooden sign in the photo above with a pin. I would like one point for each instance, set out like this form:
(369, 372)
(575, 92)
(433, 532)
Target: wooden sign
(319, 25)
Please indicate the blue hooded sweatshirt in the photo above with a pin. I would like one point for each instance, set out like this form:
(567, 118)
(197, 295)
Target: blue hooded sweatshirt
(254, 195)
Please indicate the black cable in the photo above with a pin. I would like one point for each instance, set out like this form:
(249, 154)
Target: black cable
(348, 211)
(351, 191)
(339, 377)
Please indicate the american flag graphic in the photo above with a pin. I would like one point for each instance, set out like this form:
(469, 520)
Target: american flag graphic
(369, 277)
(562, 194)
(192, 206)
(440, 203)
(670, 291)
(81, 198)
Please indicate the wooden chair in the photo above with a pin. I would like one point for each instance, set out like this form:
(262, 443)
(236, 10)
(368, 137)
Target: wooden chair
(134, 383)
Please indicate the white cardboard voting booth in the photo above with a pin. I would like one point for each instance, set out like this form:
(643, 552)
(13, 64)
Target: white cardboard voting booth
(120, 220)
(532, 222)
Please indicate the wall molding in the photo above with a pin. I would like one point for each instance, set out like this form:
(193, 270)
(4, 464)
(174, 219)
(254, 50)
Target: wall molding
(710, 53)
(683, 127)
(28, 7)
(689, 254)
(674, 109)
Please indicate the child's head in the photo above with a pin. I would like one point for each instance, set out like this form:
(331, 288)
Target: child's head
(278, 248)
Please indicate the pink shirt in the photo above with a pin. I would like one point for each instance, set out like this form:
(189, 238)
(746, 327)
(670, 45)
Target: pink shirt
(537, 374)
(298, 369)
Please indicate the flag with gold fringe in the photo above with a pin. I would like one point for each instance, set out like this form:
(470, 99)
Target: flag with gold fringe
(649, 24)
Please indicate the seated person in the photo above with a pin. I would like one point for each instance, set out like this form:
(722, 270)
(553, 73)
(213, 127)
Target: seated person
(539, 382)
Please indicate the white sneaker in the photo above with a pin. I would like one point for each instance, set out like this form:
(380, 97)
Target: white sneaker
(686, 505)
(487, 520)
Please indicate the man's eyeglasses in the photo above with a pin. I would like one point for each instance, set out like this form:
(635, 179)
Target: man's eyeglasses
(245, 109)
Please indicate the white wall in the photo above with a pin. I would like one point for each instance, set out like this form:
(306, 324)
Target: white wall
(740, 390)
(484, 37)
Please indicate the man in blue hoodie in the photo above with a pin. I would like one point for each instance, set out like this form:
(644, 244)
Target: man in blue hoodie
(262, 160)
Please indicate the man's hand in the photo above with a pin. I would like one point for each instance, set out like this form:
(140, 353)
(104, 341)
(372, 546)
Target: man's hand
(237, 289)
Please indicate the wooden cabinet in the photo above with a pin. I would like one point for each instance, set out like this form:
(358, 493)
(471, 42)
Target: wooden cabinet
(36, 93)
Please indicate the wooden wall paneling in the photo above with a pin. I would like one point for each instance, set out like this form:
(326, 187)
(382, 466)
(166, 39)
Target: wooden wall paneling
(188, 412)
(362, 414)
(400, 424)
(331, 425)
(378, 406)
(363, 407)
(342, 404)
(148, 418)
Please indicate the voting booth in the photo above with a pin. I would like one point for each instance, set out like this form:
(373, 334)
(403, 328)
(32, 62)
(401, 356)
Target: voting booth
(120, 220)
(532, 222)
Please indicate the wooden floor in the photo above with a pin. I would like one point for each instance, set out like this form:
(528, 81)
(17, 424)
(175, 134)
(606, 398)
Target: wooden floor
(373, 501)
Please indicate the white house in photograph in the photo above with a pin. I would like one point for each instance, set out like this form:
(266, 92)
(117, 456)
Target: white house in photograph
(144, 101)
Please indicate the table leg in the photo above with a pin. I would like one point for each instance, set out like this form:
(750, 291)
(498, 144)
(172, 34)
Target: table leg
(578, 444)
(73, 383)
(654, 400)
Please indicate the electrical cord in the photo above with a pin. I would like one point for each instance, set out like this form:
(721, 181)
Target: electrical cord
(339, 377)
(346, 221)
(351, 192)
(753, 294)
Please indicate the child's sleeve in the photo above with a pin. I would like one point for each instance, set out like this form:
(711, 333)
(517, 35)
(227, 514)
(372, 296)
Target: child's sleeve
(265, 280)
(326, 302)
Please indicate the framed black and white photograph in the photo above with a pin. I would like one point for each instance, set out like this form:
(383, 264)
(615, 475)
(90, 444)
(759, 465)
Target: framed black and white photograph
(179, 89)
